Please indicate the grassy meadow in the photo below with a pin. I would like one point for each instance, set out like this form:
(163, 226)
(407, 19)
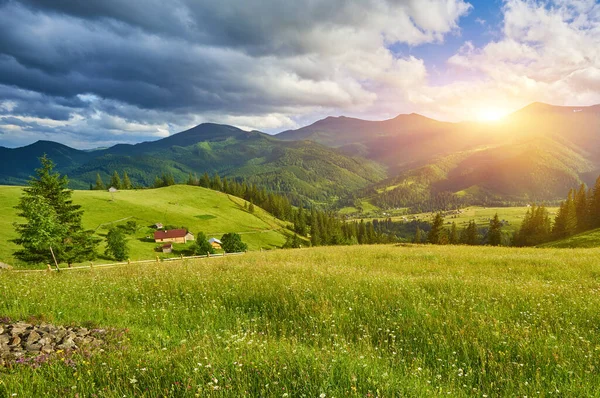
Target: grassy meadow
(198, 209)
(586, 239)
(356, 321)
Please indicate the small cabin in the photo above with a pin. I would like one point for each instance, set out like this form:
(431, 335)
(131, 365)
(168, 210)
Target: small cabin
(112, 189)
(215, 243)
(158, 226)
(173, 236)
(168, 248)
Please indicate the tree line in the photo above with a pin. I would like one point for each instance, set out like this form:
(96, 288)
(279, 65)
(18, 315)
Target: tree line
(580, 212)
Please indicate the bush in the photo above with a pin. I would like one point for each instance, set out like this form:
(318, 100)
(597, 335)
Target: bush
(116, 244)
(201, 246)
(232, 243)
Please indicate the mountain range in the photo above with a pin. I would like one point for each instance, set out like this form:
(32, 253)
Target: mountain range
(536, 153)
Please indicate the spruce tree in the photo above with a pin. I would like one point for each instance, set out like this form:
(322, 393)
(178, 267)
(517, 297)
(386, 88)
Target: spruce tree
(595, 206)
(99, 183)
(495, 232)
(470, 235)
(115, 181)
(216, 183)
(582, 209)
(52, 220)
(454, 238)
(126, 181)
(418, 235)
(436, 234)
(205, 180)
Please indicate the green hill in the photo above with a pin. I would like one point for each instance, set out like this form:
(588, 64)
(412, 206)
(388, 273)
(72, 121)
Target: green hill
(301, 169)
(589, 239)
(198, 209)
(535, 154)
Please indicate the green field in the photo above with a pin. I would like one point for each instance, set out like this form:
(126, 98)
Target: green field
(482, 216)
(346, 321)
(588, 239)
(198, 209)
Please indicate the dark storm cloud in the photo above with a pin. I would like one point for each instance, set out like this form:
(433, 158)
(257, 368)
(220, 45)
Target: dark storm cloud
(152, 61)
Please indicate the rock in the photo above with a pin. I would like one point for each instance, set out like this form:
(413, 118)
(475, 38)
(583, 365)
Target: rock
(67, 344)
(33, 347)
(33, 337)
(4, 338)
(23, 340)
(20, 328)
(15, 341)
(4, 266)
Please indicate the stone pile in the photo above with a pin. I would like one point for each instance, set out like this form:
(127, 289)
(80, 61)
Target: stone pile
(21, 341)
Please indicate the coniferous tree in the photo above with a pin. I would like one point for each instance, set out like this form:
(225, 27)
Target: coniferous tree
(205, 180)
(494, 237)
(418, 235)
(115, 181)
(595, 206)
(126, 181)
(216, 183)
(454, 238)
(251, 207)
(52, 220)
(315, 239)
(437, 232)
(469, 235)
(99, 183)
(535, 228)
(158, 182)
(582, 209)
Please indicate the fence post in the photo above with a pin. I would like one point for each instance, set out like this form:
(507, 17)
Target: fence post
(128, 261)
(91, 265)
(157, 259)
(49, 269)
(207, 254)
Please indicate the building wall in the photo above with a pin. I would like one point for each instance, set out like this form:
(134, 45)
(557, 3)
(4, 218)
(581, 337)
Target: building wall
(171, 240)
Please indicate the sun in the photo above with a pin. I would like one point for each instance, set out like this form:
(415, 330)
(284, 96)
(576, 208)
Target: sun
(489, 114)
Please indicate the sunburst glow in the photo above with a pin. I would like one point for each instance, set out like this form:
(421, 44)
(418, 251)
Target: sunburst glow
(490, 114)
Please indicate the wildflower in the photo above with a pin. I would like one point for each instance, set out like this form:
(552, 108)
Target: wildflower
(323, 394)
(133, 380)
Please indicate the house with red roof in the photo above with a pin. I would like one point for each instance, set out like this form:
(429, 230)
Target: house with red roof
(173, 236)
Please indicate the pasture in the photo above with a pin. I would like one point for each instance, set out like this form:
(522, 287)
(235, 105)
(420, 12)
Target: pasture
(356, 321)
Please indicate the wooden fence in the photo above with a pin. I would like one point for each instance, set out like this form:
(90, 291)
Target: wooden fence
(111, 265)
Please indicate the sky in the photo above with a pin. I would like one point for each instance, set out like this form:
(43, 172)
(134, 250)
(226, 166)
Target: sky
(92, 74)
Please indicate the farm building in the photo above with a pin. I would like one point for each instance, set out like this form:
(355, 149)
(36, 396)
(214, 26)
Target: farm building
(112, 189)
(215, 243)
(158, 226)
(168, 248)
(173, 235)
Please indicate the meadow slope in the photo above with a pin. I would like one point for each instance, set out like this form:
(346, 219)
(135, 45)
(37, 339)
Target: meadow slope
(198, 209)
(415, 321)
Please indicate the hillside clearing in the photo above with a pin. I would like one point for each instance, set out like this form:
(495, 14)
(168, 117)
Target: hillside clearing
(198, 209)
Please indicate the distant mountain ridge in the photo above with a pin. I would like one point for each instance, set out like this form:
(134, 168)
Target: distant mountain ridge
(536, 153)
(306, 170)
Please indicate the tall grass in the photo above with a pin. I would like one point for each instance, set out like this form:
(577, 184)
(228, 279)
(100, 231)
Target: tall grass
(344, 321)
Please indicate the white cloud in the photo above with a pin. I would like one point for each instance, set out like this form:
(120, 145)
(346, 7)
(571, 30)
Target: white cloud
(549, 52)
